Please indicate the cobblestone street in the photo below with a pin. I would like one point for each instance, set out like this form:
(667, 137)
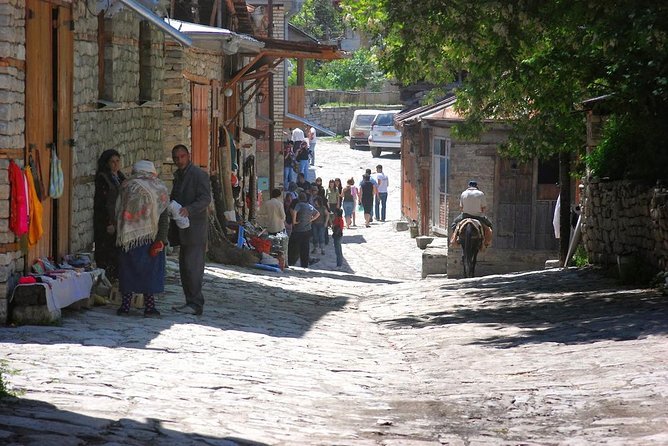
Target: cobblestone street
(369, 355)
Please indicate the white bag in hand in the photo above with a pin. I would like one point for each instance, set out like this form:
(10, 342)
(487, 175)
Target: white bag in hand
(181, 222)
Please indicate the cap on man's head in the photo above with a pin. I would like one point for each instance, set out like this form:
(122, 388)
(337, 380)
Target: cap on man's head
(473, 183)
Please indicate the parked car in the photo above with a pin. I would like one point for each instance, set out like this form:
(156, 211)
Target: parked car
(359, 128)
(383, 136)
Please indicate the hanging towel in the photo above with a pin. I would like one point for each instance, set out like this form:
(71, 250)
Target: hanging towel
(18, 208)
(35, 229)
(56, 181)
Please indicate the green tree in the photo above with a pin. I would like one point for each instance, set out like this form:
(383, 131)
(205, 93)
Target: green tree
(359, 72)
(321, 19)
(532, 63)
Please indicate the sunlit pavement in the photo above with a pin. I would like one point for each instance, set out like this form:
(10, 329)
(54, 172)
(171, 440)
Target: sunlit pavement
(367, 355)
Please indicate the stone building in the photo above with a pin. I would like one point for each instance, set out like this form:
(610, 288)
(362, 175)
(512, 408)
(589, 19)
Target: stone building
(75, 81)
(436, 168)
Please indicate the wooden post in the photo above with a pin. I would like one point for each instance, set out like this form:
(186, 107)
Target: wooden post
(226, 171)
(565, 203)
(272, 158)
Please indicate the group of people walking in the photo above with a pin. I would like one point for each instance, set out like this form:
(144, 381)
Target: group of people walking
(298, 154)
(310, 209)
(132, 227)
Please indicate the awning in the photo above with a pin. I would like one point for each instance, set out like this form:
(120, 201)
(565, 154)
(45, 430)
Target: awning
(275, 51)
(157, 21)
(216, 39)
(300, 50)
(310, 124)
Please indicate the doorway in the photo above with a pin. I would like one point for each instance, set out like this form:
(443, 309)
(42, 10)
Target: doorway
(439, 193)
(49, 71)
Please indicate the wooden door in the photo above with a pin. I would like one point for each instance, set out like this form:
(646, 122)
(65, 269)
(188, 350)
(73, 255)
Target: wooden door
(513, 217)
(39, 107)
(200, 125)
(49, 47)
(63, 131)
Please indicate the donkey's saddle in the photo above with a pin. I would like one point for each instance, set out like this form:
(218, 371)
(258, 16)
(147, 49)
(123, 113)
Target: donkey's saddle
(476, 224)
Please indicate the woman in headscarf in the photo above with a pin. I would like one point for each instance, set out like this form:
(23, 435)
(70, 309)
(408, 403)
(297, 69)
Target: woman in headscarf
(141, 232)
(108, 179)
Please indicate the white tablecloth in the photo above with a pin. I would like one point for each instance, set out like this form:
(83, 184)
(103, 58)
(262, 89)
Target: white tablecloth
(65, 288)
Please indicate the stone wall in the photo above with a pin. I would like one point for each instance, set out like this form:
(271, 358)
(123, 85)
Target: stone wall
(337, 119)
(177, 114)
(361, 99)
(12, 137)
(128, 124)
(625, 218)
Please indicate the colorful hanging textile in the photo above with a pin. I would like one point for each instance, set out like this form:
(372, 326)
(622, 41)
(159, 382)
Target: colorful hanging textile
(18, 206)
(35, 230)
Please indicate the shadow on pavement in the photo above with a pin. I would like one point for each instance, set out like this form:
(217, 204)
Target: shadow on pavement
(550, 306)
(315, 272)
(357, 238)
(232, 303)
(36, 422)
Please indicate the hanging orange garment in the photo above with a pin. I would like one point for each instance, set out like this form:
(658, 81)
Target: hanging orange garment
(35, 230)
(18, 206)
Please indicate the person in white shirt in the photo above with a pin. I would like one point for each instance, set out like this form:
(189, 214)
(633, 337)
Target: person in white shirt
(381, 200)
(312, 140)
(272, 213)
(272, 217)
(473, 204)
(297, 135)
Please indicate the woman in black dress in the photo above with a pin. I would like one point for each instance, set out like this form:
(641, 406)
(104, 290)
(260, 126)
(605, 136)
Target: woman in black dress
(368, 190)
(108, 179)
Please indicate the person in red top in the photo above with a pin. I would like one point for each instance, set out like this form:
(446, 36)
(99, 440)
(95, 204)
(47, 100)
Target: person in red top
(337, 234)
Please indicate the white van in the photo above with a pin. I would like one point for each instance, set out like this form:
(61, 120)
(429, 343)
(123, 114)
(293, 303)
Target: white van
(383, 136)
(359, 128)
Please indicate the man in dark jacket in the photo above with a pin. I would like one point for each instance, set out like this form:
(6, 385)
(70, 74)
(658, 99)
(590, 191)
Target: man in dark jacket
(192, 190)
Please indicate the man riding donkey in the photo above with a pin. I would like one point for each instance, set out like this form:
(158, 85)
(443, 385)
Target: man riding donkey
(473, 204)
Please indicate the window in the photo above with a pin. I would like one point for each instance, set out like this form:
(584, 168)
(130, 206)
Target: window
(548, 171)
(385, 119)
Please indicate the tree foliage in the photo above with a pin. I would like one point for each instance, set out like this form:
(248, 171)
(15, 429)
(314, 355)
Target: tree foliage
(530, 62)
(321, 19)
(359, 72)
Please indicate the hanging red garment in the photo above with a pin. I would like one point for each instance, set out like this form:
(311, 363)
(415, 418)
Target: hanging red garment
(35, 226)
(18, 200)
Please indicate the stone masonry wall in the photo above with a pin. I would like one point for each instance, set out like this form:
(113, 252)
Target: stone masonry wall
(176, 110)
(625, 218)
(177, 100)
(12, 134)
(129, 125)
